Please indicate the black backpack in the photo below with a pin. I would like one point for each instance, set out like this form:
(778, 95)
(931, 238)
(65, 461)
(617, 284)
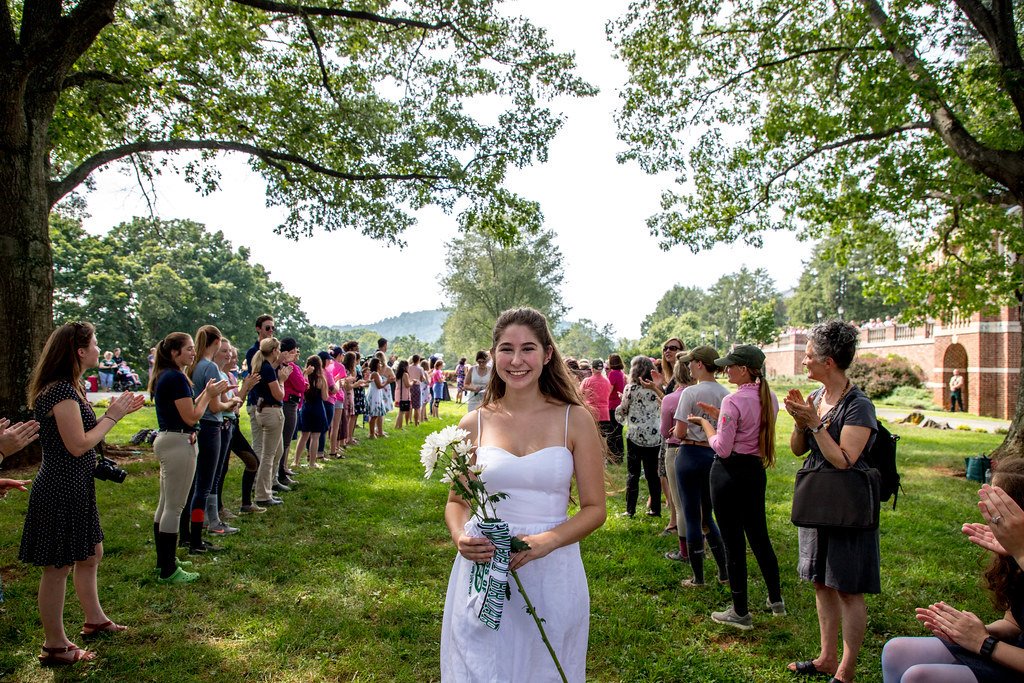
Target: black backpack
(882, 456)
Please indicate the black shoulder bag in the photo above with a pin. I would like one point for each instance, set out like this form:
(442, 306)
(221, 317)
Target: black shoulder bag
(831, 498)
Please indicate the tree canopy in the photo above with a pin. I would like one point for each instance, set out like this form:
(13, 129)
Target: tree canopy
(147, 278)
(834, 279)
(899, 125)
(353, 117)
(482, 278)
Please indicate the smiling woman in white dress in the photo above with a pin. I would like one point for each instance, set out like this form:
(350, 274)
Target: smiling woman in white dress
(533, 434)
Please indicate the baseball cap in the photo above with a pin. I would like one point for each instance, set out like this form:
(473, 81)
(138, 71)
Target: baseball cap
(746, 355)
(705, 354)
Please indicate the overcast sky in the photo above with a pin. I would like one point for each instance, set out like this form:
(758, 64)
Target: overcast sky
(614, 270)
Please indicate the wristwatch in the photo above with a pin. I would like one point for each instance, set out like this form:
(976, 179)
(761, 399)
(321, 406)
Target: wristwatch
(815, 430)
(987, 647)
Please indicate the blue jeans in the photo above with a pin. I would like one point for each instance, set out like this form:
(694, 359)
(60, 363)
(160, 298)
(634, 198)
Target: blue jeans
(693, 469)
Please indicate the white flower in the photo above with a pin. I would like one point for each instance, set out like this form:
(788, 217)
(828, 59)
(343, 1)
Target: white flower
(477, 469)
(428, 457)
(446, 478)
(464, 448)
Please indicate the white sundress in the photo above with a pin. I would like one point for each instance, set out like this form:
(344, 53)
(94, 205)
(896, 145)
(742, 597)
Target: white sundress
(538, 488)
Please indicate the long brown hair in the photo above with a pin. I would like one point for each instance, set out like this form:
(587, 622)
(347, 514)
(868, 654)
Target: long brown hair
(205, 337)
(59, 360)
(1003, 573)
(667, 369)
(163, 360)
(766, 432)
(556, 381)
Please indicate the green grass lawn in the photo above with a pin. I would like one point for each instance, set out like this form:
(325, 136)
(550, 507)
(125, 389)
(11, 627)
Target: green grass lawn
(346, 580)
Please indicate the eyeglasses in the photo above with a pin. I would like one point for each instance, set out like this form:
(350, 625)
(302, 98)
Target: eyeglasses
(671, 347)
(269, 328)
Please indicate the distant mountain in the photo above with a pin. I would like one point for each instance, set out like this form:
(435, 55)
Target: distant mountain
(424, 325)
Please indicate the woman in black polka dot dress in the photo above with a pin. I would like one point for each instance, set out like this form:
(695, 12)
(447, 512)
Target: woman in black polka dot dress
(62, 526)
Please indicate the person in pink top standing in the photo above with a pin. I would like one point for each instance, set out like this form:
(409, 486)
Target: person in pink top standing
(336, 373)
(744, 445)
(294, 388)
(596, 391)
(613, 433)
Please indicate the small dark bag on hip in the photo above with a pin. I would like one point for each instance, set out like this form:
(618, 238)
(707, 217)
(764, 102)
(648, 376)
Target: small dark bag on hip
(826, 497)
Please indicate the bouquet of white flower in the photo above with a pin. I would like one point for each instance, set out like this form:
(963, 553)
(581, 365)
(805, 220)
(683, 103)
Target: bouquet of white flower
(489, 584)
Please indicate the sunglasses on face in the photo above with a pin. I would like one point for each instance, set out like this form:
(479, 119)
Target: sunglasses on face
(671, 347)
(269, 328)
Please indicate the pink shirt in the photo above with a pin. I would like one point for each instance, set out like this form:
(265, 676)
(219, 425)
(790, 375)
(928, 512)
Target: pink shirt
(340, 373)
(740, 421)
(437, 377)
(668, 412)
(296, 384)
(618, 382)
(596, 390)
(329, 369)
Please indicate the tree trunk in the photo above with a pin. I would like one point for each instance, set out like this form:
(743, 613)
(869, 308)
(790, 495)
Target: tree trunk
(26, 263)
(1013, 444)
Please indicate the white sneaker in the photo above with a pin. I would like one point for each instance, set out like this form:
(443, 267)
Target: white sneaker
(730, 618)
(778, 608)
(223, 529)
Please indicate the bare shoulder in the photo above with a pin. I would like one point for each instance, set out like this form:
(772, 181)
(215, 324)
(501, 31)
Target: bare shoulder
(582, 428)
(468, 422)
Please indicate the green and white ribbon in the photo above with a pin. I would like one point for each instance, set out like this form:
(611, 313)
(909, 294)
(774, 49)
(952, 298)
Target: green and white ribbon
(489, 581)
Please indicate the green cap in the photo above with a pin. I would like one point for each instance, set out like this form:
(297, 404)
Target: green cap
(705, 354)
(746, 355)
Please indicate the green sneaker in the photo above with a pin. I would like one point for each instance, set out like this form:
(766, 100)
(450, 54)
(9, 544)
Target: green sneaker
(180, 576)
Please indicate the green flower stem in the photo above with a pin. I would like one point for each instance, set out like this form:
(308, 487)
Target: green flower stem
(540, 625)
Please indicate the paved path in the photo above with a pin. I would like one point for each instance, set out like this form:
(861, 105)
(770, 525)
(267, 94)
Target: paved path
(954, 420)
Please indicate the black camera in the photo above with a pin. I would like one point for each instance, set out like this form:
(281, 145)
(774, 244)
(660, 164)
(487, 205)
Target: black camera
(107, 470)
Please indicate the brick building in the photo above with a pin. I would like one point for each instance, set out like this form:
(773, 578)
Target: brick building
(986, 348)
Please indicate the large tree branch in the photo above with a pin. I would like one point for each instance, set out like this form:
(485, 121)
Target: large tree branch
(60, 188)
(765, 193)
(994, 198)
(997, 27)
(294, 9)
(735, 78)
(312, 10)
(1005, 167)
(838, 144)
(80, 78)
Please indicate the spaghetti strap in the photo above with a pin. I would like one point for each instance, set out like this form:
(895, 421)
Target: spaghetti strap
(478, 428)
(565, 440)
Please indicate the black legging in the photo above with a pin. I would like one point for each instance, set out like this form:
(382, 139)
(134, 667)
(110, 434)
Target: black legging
(207, 462)
(240, 446)
(648, 457)
(291, 421)
(737, 494)
(612, 433)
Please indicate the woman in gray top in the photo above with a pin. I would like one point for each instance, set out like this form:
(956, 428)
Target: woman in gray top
(837, 424)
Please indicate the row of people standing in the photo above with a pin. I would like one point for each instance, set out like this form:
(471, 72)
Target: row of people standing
(715, 448)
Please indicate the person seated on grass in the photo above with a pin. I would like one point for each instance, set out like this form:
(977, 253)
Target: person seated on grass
(1004, 533)
(964, 649)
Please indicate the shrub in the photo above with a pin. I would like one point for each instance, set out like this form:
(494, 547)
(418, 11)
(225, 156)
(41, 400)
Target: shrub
(911, 397)
(964, 428)
(878, 377)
